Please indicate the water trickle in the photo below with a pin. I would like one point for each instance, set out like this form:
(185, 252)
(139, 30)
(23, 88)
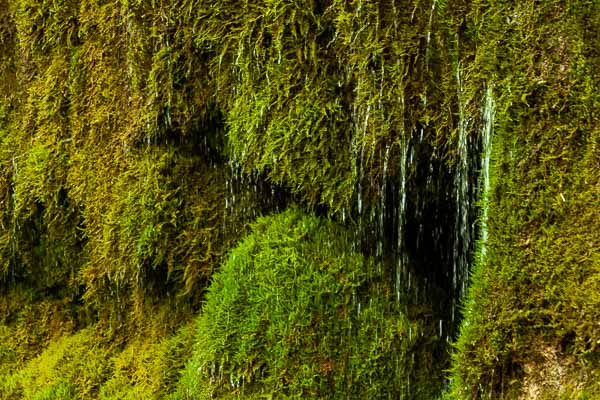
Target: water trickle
(462, 234)
(428, 37)
(489, 108)
(362, 157)
(401, 264)
(359, 198)
(383, 196)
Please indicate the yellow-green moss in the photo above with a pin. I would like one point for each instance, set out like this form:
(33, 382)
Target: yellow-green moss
(314, 93)
(148, 367)
(532, 310)
(44, 356)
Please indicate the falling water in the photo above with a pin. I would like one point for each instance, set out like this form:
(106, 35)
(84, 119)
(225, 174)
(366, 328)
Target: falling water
(489, 109)
(462, 235)
(427, 46)
(402, 256)
(428, 37)
(382, 212)
(362, 157)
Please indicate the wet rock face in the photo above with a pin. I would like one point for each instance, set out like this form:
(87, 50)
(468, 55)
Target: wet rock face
(151, 134)
(296, 312)
(139, 139)
(365, 111)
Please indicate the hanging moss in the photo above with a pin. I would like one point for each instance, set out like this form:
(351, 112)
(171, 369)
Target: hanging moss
(323, 99)
(114, 177)
(296, 313)
(314, 94)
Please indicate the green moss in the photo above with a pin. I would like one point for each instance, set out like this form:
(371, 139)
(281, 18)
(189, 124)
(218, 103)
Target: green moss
(295, 312)
(114, 180)
(42, 357)
(123, 126)
(315, 94)
(529, 319)
(148, 367)
(314, 99)
(29, 324)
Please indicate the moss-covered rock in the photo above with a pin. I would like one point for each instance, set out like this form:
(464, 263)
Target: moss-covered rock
(124, 125)
(531, 319)
(297, 313)
(113, 113)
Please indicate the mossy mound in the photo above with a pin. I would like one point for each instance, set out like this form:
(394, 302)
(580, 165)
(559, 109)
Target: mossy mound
(297, 313)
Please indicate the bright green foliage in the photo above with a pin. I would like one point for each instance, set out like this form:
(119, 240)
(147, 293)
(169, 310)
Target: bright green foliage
(296, 313)
(531, 319)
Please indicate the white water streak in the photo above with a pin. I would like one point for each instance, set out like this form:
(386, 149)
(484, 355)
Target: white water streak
(461, 184)
(489, 109)
(402, 258)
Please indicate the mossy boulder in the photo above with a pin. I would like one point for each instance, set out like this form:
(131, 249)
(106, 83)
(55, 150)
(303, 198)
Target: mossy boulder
(295, 312)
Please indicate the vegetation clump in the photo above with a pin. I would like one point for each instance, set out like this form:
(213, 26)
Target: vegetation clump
(40, 361)
(295, 312)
